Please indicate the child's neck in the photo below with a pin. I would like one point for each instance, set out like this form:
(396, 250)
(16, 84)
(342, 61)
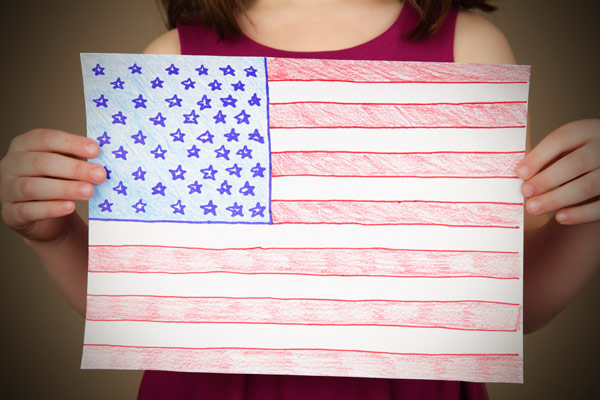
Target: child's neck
(318, 25)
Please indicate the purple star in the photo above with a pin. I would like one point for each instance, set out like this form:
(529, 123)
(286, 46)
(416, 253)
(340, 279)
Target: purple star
(105, 206)
(232, 136)
(250, 71)
(225, 188)
(236, 210)
(220, 117)
(234, 170)
(191, 118)
(140, 206)
(243, 118)
(257, 210)
(257, 171)
(118, 84)
(121, 189)
(159, 152)
(188, 84)
(256, 136)
(120, 153)
(244, 152)
(104, 139)
(108, 171)
(172, 70)
(159, 188)
(174, 101)
(238, 86)
(228, 101)
(119, 118)
(98, 70)
(101, 101)
(222, 152)
(194, 187)
(157, 83)
(140, 102)
(139, 174)
(139, 138)
(247, 189)
(178, 135)
(178, 173)
(204, 103)
(178, 208)
(202, 70)
(206, 137)
(254, 100)
(135, 69)
(209, 173)
(193, 152)
(210, 208)
(215, 85)
(158, 120)
(228, 71)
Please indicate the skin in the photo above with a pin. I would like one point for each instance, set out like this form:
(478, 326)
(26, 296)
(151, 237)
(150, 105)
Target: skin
(45, 170)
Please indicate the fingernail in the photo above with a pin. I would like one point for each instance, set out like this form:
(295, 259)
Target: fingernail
(85, 190)
(97, 174)
(68, 205)
(523, 171)
(534, 206)
(91, 148)
(527, 190)
(561, 217)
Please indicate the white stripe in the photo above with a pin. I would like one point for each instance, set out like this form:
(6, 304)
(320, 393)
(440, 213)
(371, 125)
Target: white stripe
(300, 286)
(324, 188)
(243, 236)
(286, 91)
(401, 340)
(397, 140)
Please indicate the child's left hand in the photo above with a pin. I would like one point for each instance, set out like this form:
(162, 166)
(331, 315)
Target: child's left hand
(563, 173)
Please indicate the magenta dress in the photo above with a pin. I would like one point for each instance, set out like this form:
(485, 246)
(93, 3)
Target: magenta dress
(393, 44)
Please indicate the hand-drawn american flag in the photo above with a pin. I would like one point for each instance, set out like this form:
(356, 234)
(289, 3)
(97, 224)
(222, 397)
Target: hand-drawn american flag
(297, 216)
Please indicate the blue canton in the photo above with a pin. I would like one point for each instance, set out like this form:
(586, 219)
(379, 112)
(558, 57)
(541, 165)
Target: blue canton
(183, 138)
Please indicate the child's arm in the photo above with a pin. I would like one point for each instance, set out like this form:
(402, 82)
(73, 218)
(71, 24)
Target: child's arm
(563, 254)
(41, 175)
(559, 259)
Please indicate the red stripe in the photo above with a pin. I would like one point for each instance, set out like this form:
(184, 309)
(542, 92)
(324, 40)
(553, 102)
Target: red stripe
(471, 165)
(395, 152)
(310, 361)
(397, 213)
(313, 261)
(400, 104)
(398, 201)
(467, 315)
(388, 71)
(305, 274)
(320, 115)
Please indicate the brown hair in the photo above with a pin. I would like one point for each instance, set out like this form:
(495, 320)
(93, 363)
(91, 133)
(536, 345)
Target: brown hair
(219, 15)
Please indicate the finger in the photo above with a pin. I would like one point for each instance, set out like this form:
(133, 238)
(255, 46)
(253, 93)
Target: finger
(28, 189)
(53, 165)
(50, 140)
(563, 139)
(579, 215)
(20, 214)
(574, 164)
(574, 192)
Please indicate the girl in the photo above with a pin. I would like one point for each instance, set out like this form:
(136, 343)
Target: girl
(43, 171)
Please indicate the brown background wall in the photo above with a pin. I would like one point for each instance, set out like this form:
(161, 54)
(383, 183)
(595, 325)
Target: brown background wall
(40, 83)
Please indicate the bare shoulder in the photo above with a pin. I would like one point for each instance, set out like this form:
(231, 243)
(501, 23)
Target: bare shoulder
(167, 43)
(477, 40)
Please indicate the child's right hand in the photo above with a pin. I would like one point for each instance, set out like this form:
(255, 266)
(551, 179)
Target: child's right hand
(41, 175)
